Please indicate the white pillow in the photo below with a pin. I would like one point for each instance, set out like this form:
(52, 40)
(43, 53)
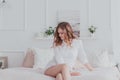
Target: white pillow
(42, 57)
(102, 59)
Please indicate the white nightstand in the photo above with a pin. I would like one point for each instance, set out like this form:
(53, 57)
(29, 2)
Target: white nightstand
(3, 62)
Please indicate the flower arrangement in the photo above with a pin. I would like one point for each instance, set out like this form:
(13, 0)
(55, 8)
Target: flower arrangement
(49, 31)
(92, 29)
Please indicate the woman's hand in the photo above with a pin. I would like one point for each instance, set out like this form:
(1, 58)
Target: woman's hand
(89, 67)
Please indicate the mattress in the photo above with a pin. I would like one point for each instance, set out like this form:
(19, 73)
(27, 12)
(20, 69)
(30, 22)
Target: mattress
(32, 74)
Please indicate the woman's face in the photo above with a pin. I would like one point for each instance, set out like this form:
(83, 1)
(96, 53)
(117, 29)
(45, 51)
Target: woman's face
(61, 33)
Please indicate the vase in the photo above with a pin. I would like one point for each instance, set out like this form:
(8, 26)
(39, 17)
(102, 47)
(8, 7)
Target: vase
(92, 35)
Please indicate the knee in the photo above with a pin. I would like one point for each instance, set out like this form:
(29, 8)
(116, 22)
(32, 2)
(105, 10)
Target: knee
(59, 77)
(64, 67)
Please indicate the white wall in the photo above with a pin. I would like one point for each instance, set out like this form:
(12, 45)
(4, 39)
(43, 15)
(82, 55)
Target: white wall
(40, 14)
(100, 16)
(34, 22)
(115, 24)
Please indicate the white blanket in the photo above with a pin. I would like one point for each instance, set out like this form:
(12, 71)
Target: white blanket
(31, 74)
(22, 74)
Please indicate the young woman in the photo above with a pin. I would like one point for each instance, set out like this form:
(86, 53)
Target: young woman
(67, 49)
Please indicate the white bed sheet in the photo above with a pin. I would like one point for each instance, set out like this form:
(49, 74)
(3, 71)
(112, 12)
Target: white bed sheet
(99, 74)
(22, 74)
(31, 74)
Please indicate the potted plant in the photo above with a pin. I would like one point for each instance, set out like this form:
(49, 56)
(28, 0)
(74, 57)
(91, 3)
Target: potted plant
(49, 31)
(92, 30)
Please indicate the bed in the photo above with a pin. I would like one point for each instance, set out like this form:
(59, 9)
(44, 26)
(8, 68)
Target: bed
(26, 72)
(33, 74)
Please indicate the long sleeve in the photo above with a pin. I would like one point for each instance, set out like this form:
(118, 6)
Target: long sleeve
(58, 57)
(81, 54)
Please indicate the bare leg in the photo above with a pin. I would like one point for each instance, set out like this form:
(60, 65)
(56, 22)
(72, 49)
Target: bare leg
(66, 73)
(75, 74)
(61, 68)
(59, 77)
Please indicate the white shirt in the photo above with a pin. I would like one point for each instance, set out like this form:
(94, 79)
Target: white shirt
(69, 54)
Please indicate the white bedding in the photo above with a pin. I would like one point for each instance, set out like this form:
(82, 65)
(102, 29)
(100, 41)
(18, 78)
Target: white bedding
(31, 74)
(22, 74)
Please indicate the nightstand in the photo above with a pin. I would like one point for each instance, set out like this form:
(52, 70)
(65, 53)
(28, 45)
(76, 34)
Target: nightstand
(3, 62)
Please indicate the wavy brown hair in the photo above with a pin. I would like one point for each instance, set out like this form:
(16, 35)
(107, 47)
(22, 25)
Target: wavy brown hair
(69, 35)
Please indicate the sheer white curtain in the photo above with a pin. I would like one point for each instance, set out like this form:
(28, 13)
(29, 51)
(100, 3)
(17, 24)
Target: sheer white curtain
(115, 26)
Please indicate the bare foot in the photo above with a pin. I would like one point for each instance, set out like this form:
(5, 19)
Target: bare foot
(75, 74)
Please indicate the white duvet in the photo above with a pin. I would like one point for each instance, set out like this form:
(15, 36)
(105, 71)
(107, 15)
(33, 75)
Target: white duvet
(31, 74)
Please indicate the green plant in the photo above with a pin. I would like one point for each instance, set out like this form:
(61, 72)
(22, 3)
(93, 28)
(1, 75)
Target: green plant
(49, 31)
(92, 29)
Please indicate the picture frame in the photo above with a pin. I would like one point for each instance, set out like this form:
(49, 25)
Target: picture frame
(77, 33)
(3, 62)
